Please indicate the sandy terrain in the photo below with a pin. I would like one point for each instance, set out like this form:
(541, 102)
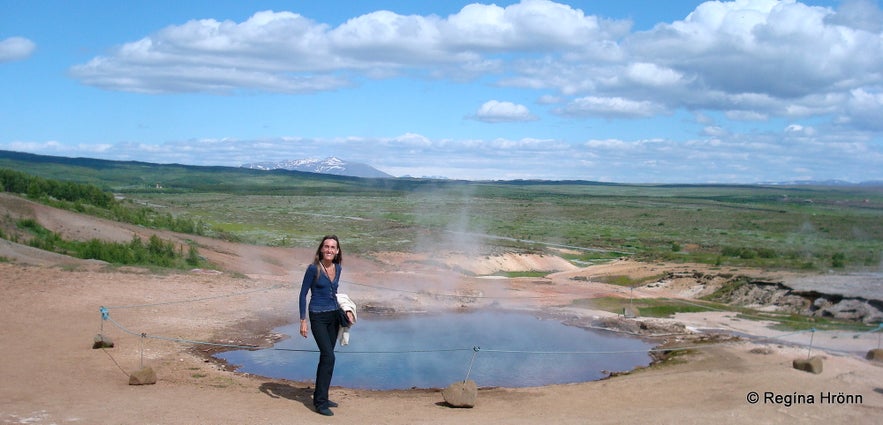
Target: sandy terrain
(49, 310)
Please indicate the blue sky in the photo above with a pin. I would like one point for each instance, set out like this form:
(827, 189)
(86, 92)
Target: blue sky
(631, 91)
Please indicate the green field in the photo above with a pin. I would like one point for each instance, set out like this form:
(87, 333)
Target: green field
(761, 226)
(797, 227)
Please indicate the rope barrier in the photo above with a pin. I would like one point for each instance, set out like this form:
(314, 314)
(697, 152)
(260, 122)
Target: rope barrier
(252, 347)
(435, 350)
(475, 349)
(443, 295)
(193, 300)
(179, 340)
(115, 361)
(106, 317)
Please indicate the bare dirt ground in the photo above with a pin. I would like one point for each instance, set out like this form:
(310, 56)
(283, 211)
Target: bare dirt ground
(49, 373)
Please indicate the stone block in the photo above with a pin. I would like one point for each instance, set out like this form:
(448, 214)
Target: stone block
(102, 341)
(461, 394)
(812, 364)
(875, 355)
(143, 376)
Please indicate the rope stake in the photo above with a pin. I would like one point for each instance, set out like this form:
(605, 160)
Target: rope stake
(879, 335)
(475, 350)
(105, 314)
(143, 336)
(811, 336)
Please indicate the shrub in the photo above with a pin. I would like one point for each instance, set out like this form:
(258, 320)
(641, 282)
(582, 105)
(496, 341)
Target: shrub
(838, 260)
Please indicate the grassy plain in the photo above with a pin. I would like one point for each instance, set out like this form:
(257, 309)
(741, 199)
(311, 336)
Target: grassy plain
(796, 227)
(790, 227)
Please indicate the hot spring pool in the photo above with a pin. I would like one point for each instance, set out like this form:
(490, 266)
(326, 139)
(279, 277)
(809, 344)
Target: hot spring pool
(433, 351)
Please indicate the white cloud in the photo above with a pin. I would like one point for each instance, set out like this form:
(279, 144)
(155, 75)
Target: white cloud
(753, 60)
(715, 131)
(798, 129)
(266, 52)
(529, 25)
(865, 109)
(16, 48)
(651, 74)
(610, 107)
(743, 115)
(413, 140)
(289, 53)
(608, 144)
(763, 46)
(387, 39)
(494, 111)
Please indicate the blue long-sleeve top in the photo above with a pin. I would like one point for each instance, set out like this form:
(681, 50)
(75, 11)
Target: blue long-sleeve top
(323, 290)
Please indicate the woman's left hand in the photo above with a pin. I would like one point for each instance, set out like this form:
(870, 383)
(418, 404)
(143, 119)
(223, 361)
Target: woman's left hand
(303, 328)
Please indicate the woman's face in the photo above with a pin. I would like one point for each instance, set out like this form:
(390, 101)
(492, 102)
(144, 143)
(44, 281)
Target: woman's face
(329, 249)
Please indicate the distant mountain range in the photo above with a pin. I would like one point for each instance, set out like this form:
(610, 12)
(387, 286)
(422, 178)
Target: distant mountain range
(822, 183)
(330, 165)
(57, 167)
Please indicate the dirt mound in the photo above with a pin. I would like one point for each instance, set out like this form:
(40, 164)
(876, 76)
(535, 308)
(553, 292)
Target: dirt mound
(227, 256)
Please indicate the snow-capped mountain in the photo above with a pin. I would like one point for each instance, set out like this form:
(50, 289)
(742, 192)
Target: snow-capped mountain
(330, 165)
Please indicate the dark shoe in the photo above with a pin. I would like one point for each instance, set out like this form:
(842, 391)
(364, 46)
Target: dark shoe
(326, 411)
(331, 404)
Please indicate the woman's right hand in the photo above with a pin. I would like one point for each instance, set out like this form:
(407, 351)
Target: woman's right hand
(303, 328)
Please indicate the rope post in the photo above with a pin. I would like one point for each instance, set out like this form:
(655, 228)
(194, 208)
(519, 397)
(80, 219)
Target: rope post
(475, 350)
(101, 340)
(879, 334)
(811, 336)
(143, 335)
(105, 314)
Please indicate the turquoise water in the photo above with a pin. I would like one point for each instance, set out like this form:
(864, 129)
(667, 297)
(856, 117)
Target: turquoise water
(432, 351)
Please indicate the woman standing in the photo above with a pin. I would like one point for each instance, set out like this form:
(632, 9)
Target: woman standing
(321, 280)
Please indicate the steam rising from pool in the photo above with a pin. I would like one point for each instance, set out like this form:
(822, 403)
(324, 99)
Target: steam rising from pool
(433, 351)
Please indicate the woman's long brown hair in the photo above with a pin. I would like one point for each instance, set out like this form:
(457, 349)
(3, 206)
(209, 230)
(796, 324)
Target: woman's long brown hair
(338, 259)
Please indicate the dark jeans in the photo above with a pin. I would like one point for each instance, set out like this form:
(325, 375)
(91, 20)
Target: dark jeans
(324, 326)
